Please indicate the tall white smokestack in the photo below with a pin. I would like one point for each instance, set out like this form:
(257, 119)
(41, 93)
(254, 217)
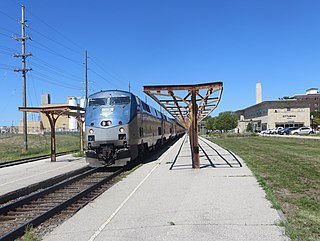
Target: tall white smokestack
(258, 93)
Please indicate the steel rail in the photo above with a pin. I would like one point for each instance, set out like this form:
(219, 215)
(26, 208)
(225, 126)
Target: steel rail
(19, 231)
(5, 198)
(28, 199)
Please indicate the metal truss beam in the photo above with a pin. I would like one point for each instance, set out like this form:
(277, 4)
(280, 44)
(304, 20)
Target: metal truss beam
(189, 104)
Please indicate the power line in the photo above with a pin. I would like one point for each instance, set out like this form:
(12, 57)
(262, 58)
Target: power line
(8, 49)
(13, 19)
(54, 41)
(5, 35)
(112, 83)
(45, 48)
(8, 30)
(9, 66)
(53, 80)
(104, 70)
(62, 35)
(57, 71)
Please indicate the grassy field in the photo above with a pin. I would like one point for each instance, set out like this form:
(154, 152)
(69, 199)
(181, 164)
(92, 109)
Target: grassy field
(11, 145)
(289, 171)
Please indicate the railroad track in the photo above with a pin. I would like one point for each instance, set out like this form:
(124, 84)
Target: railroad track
(35, 208)
(31, 159)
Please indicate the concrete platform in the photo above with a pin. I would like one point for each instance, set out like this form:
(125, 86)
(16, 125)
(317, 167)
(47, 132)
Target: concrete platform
(156, 203)
(20, 176)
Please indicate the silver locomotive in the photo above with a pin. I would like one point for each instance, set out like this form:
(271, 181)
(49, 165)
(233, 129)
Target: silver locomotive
(119, 127)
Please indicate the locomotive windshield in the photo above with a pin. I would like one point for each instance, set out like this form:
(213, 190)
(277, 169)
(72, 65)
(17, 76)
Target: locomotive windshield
(123, 100)
(97, 101)
(120, 100)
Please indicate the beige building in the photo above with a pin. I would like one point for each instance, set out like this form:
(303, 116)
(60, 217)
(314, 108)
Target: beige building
(63, 124)
(277, 113)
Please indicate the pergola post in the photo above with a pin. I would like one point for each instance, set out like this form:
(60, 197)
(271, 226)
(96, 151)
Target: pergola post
(52, 122)
(194, 130)
(80, 122)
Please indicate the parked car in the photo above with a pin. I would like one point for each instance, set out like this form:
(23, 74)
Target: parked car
(302, 131)
(287, 130)
(268, 131)
(276, 130)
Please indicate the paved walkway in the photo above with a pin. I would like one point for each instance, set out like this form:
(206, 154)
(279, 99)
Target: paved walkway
(20, 176)
(156, 203)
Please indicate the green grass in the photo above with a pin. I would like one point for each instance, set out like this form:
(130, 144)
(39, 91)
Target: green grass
(11, 146)
(29, 235)
(289, 171)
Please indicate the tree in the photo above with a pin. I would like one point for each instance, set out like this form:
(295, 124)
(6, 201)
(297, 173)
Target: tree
(210, 122)
(249, 127)
(316, 118)
(226, 121)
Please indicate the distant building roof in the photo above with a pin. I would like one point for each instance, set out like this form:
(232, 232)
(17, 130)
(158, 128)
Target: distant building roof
(278, 102)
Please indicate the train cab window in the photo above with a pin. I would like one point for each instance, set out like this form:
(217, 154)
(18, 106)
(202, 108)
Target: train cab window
(97, 101)
(124, 100)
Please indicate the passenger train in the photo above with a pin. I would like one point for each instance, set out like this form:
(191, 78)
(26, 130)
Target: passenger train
(120, 127)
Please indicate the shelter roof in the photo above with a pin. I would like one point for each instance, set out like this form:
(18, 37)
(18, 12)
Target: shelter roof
(56, 110)
(176, 99)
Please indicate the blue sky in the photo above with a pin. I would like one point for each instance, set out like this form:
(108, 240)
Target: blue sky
(149, 42)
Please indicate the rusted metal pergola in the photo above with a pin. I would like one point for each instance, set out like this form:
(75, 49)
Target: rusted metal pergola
(53, 113)
(189, 104)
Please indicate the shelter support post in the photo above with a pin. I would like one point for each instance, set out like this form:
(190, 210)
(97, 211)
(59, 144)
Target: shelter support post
(194, 131)
(80, 121)
(52, 122)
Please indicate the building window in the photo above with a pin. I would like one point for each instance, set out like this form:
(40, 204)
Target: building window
(275, 111)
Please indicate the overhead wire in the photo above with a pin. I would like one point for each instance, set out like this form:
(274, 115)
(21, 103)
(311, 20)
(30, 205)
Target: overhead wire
(45, 48)
(5, 35)
(56, 71)
(62, 35)
(55, 41)
(104, 70)
(13, 19)
(8, 30)
(102, 77)
(53, 81)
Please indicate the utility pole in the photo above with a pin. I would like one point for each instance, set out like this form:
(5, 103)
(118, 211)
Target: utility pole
(24, 71)
(86, 72)
(129, 86)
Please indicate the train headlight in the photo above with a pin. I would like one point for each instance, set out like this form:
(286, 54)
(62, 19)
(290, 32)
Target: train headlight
(91, 131)
(106, 123)
(121, 129)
